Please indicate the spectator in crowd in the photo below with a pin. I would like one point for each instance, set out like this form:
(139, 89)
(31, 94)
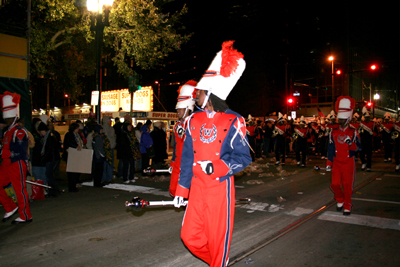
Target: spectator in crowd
(38, 165)
(109, 165)
(128, 152)
(72, 139)
(50, 155)
(117, 129)
(101, 153)
(138, 134)
(160, 145)
(81, 132)
(145, 143)
(57, 135)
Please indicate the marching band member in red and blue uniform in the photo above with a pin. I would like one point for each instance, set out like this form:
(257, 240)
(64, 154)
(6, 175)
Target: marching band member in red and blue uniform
(303, 133)
(184, 108)
(14, 157)
(282, 131)
(366, 131)
(331, 124)
(386, 131)
(396, 137)
(214, 149)
(344, 141)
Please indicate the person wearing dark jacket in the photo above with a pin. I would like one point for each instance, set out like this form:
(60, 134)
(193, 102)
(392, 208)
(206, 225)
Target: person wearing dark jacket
(145, 143)
(160, 145)
(72, 139)
(38, 165)
(99, 143)
(128, 151)
(50, 155)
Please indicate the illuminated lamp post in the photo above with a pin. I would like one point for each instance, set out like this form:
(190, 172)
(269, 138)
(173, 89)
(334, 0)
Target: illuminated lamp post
(332, 59)
(98, 25)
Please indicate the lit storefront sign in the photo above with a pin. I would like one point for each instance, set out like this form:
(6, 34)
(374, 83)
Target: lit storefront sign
(111, 101)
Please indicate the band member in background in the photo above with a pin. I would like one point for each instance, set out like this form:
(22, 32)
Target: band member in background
(366, 131)
(386, 128)
(215, 148)
(184, 107)
(251, 136)
(301, 133)
(332, 124)
(14, 159)
(281, 130)
(355, 124)
(396, 137)
(344, 141)
(323, 138)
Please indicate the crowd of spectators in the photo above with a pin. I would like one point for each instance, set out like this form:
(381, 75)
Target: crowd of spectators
(119, 151)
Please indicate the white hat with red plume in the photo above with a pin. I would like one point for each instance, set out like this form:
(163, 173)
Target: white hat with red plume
(187, 95)
(10, 104)
(224, 71)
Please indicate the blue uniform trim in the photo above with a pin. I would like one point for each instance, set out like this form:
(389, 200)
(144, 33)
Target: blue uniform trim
(228, 220)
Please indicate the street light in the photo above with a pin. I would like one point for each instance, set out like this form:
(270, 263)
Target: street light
(332, 59)
(98, 25)
(158, 95)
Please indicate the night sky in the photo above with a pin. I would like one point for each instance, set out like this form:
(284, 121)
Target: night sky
(269, 35)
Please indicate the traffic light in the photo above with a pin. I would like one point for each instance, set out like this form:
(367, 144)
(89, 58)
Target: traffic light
(133, 83)
(373, 67)
(369, 104)
(338, 72)
(290, 100)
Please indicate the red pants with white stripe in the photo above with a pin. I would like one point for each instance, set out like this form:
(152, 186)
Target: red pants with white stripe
(343, 174)
(208, 222)
(16, 174)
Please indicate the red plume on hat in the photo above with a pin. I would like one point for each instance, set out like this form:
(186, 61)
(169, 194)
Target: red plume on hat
(230, 57)
(15, 97)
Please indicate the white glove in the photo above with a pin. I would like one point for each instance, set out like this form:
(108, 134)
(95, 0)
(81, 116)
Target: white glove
(179, 201)
(207, 166)
(170, 169)
(348, 140)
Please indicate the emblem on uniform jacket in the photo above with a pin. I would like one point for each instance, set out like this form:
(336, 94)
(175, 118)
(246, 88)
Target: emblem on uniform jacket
(208, 135)
(180, 131)
(341, 138)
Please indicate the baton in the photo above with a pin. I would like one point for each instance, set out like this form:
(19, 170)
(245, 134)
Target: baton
(149, 170)
(42, 185)
(138, 204)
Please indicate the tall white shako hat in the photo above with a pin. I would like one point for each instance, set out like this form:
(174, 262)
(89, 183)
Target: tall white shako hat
(223, 73)
(10, 104)
(302, 120)
(344, 107)
(187, 95)
(365, 112)
(387, 116)
(280, 117)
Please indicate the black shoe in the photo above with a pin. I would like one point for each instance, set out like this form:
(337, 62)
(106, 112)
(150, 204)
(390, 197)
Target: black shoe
(20, 221)
(346, 212)
(339, 208)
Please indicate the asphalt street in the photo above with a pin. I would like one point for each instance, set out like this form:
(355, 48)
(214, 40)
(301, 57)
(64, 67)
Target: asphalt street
(291, 221)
